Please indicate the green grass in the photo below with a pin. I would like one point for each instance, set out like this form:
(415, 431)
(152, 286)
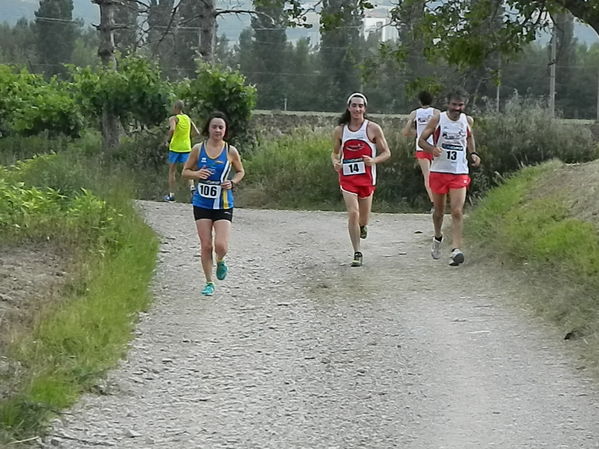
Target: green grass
(75, 339)
(75, 342)
(534, 231)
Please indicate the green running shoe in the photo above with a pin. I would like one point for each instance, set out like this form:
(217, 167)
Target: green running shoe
(357, 262)
(363, 232)
(221, 270)
(208, 289)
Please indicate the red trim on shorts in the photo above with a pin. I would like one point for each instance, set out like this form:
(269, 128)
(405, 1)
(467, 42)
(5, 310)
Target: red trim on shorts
(442, 183)
(361, 191)
(423, 155)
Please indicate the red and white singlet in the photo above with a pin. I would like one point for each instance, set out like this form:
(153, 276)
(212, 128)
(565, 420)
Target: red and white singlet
(354, 146)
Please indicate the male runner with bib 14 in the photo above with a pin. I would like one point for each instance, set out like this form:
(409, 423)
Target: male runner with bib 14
(452, 149)
(356, 141)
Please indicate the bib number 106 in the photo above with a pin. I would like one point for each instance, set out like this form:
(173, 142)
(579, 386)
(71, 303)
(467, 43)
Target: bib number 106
(209, 191)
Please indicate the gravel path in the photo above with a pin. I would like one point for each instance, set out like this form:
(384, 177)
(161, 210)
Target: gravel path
(298, 350)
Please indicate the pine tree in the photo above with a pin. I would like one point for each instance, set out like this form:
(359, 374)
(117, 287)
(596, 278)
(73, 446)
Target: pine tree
(340, 52)
(269, 45)
(55, 34)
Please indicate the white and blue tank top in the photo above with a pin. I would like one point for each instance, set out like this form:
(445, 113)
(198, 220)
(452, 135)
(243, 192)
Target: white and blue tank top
(209, 194)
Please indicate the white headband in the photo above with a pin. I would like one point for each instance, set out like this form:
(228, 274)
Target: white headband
(357, 94)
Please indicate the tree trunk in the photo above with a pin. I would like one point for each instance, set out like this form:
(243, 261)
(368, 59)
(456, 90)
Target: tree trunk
(110, 121)
(207, 30)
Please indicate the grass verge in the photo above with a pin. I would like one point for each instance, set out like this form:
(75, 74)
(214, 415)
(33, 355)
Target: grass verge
(533, 228)
(77, 339)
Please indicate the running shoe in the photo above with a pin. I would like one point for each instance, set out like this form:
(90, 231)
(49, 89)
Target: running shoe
(169, 198)
(208, 289)
(221, 270)
(357, 262)
(363, 232)
(456, 258)
(436, 248)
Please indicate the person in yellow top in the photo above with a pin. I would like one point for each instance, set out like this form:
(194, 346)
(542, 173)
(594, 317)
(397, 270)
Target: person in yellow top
(178, 140)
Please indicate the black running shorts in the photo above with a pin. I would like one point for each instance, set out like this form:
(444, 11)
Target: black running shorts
(212, 214)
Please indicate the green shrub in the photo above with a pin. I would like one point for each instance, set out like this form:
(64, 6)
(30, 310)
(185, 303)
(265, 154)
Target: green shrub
(30, 105)
(292, 171)
(221, 89)
(525, 134)
(136, 92)
(37, 201)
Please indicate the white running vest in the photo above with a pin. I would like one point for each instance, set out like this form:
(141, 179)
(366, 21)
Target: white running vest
(423, 115)
(451, 136)
(355, 145)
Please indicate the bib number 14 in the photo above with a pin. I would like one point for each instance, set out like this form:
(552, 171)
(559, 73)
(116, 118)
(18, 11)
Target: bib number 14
(209, 190)
(354, 168)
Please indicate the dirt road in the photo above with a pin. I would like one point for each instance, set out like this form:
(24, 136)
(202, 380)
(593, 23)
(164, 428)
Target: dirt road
(298, 350)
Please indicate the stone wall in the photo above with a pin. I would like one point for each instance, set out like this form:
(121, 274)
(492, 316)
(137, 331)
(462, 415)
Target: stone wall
(283, 122)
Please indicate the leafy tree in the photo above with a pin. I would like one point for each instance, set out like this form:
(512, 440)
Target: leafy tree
(221, 89)
(55, 34)
(30, 105)
(135, 93)
(466, 32)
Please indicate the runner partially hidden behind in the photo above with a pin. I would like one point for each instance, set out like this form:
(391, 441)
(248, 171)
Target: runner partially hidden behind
(355, 144)
(210, 165)
(178, 140)
(415, 124)
(453, 147)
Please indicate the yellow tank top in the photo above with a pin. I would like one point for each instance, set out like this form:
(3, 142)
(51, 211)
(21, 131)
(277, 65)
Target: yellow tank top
(181, 140)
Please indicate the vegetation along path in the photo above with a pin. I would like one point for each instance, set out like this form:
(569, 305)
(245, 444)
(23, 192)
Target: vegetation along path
(298, 350)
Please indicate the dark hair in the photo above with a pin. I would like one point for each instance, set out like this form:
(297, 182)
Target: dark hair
(213, 115)
(425, 98)
(457, 94)
(346, 116)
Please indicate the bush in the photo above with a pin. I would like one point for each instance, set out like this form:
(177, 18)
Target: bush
(221, 89)
(136, 92)
(43, 198)
(30, 105)
(526, 135)
(292, 171)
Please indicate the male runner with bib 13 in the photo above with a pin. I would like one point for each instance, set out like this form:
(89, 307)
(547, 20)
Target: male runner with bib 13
(452, 149)
(356, 141)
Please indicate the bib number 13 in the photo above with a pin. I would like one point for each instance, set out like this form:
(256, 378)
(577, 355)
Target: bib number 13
(452, 155)
(354, 168)
(209, 191)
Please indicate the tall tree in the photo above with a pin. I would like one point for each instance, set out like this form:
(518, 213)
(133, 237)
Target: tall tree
(269, 45)
(452, 28)
(340, 51)
(565, 56)
(110, 122)
(162, 20)
(187, 37)
(55, 34)
(126, 34)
